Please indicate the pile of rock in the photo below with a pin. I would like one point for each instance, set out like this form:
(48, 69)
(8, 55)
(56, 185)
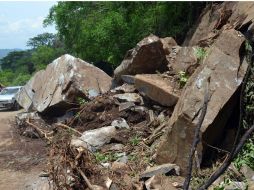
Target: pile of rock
(147, 89)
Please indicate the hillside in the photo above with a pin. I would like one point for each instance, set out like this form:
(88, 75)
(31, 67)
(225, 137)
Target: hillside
(4, 52)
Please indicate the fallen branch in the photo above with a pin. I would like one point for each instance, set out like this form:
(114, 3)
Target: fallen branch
(196, 138)
(67, 127)
(40, 131)
(90, 186)
(228, 161)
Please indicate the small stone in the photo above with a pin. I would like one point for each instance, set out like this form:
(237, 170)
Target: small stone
(120, 124)
(161, 169)
(123, 159)
(126, 106)
(126, 88)
(106, 165)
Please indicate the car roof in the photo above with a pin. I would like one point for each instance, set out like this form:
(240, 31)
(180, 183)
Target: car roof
(13, 87)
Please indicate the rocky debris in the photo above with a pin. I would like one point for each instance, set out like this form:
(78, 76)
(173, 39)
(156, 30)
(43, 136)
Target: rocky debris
(163, 182)
(218, 17)
(223, 73)
(147, 57)
(157, 88)
(183, 59)
(161, 169)
(126, 106)
(20, 118)
(61, 83)
(126, 88)
(129, 97)
(120, 123)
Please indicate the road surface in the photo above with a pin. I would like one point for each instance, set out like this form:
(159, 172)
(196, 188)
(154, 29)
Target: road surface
(21, 159)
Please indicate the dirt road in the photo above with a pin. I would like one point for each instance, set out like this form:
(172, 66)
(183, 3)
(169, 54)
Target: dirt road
(21, 159)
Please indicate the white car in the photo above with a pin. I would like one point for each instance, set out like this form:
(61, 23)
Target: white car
(7, 97)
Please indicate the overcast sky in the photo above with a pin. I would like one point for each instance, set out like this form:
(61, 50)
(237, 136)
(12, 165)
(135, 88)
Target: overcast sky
(20, 21)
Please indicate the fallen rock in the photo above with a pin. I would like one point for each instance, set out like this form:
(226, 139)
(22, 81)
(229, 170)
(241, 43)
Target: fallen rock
(26, 94)
(168, 43)
(183, 59)
(223, 69)
(126, 106)
(147, 57)
(61, 83)
(129, 97)
(158, 89)
(161, 169)
(95, 139)
(219, 17)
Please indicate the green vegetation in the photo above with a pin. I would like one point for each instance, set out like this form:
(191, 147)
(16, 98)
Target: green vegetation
(18, 66)
(135, 140)
(104, 31)
(200, 53)
(100, 157)
(246, 156)
(183, 78)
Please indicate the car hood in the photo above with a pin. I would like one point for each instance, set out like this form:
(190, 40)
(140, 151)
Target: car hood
(6, 97)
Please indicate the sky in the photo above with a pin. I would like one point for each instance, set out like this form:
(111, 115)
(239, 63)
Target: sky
(20, 21)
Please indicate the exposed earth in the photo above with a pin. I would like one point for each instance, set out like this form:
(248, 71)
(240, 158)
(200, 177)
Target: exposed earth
(21, 158)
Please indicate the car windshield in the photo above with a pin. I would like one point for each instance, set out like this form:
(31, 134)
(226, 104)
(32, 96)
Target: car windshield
(9, 91)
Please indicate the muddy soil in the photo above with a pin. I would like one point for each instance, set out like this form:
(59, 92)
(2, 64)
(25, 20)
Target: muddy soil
(21, 159)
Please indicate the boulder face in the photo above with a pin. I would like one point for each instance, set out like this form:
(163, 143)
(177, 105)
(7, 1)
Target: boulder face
(218, 17)
(225, 71)
(168, 43)
(147, 57)
(183, 59)
(59, 85)
(157, 88)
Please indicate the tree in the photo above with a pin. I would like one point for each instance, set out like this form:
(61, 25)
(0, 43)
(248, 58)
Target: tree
(104, 31)
(45, 39)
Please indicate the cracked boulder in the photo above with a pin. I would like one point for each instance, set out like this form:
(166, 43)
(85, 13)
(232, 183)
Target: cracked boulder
(147, 57)
(158, 89)
(224, 70)
(55, 89)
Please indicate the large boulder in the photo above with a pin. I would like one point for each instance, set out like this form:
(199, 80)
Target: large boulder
(216, 18)
(61, 83)
(159, 89)
(147, 57)
(225, 71)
